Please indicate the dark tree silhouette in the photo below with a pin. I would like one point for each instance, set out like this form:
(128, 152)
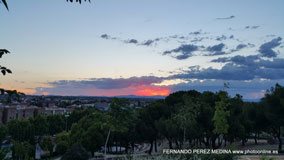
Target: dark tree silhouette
(5, 4)
(3, 69)
(79, 1)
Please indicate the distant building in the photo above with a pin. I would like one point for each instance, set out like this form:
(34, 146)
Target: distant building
(26, 112)
(9, 113)
(12, 112)
(103, 106)
(56, 111)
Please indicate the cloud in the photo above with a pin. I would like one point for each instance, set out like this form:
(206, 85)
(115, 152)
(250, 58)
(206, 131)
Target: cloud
(148, 43)
(226, 18)
(105, 36)
(266, 49)
(215, 49)
(185, 51)
(254, 61)
(196, 33)
(134, 41)
(239, 60)
(227, 72)
(250, 67)
(231, 71)
(198, 39)
(248, 75)
(252, 27)
(241, 46)
(109, 83)
(106, 86)
(224, 37)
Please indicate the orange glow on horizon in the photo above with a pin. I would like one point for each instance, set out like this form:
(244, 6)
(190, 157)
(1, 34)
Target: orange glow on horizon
(152, 91)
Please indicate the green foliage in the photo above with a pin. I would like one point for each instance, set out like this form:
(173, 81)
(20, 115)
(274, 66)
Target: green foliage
(61, 147)
(63, 137)
(221, 115)
(21, 130)
(47, 144)
(187, 118)
(274, 105)
(62, 142)
(76, 152)
(23, 150)
(3, 132)
(267, 158)
(92, 139)
(40, 125)
(56, 124)
(3, 153)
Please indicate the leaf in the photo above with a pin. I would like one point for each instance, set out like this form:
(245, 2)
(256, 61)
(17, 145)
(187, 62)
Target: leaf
(8, 70)
(5, 3)
(78, 1)
(3, 72)
(3, 51)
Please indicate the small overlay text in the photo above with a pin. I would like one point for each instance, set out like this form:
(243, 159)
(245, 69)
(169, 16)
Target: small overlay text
(221, 151)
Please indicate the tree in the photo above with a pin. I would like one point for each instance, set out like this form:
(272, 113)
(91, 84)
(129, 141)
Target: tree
(62, 142)
(220, 118)
(21, 130)
(40, 125)
(274, 104)
(61, 147)
(47, 144)
(22, 150)
(122, 113)
(56, 124)
(90, 131)
(3, 132)
(186, 117)
(221, 115)
(76, 152)
(3, 153)
(93, 139)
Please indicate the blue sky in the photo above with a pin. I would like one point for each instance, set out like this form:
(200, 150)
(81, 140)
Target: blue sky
(100, 48)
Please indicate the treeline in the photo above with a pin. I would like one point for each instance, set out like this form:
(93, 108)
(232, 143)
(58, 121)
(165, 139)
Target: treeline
(184, 119)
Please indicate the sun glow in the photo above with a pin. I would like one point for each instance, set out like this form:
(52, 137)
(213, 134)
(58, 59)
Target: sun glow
(152, 91)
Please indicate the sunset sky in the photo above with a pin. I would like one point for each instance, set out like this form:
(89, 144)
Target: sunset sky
(142, 47)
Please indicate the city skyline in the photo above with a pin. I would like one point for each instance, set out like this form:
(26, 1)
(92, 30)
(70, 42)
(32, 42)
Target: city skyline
(143, 48)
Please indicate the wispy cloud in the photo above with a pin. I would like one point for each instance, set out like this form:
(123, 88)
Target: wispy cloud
(252, 27)
(226, 18)
(184, 51)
